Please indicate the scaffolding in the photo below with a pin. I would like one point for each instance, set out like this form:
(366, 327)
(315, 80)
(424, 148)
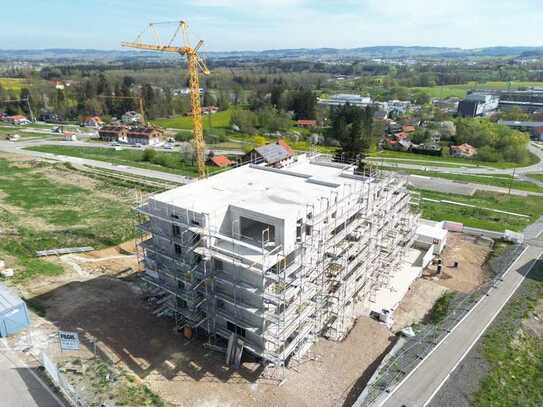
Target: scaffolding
(348, 245)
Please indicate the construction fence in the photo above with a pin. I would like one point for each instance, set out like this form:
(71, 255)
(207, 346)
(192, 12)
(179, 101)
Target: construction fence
(413, 349)
(61, 382)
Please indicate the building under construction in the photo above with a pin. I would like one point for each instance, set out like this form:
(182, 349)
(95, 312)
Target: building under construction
(276, 257)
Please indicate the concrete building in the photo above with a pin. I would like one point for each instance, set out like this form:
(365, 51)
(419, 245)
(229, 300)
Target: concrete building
(271, 259)
(346, 98)
(114, 133)
(478, 104)
(146, 136)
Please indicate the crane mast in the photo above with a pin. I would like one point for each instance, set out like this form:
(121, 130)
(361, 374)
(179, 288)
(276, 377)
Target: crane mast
(195, 64)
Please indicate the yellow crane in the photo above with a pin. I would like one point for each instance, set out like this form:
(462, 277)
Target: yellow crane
(195, 65)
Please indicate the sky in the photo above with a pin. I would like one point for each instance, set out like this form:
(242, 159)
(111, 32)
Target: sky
(227, 25)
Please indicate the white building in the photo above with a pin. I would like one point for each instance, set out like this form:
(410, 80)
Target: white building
(346, 98)
(271, 259)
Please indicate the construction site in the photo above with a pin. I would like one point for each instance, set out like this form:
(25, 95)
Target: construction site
(266, 259)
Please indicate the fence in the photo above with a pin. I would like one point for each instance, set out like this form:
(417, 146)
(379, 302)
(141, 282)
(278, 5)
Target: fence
(60, 381)
(393, 370)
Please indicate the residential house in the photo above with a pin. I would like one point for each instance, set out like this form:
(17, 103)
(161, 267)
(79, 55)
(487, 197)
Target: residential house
(17, 119)
(132, 117)
(380, 115)
(220, 161)
(50, 117)
(91, 121)
(427, 148)
(275, 154)
(114, 133)
(70, 136)
(307, 124)
(408, 129)
(537, 133)
(463, 150)
(147, 136)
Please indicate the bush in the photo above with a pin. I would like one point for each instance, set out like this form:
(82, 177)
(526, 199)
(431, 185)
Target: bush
(149, 154)
(183, 136)
(441, 308)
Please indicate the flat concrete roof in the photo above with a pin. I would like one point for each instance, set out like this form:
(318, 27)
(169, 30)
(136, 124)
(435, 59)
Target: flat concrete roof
(433, 232)
(279, 193)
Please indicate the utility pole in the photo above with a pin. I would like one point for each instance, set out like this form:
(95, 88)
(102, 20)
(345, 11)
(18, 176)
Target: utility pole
(511, 182)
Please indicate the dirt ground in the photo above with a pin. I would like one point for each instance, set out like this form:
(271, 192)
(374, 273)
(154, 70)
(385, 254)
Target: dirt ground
(418, 301)
(103, 302)
(100, 298)
(470, 253)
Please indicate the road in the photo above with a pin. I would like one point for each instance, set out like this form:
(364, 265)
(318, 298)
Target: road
(20, 387)
(419, 387)
(17, 148)
(412, 165)
(462, 188)
(431, 183)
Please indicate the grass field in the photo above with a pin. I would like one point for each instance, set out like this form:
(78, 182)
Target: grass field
(537, 177)
(514, 354)
(170, 162)
(453, 161)
(481, 218)
(461, 90)
(45, 206)
(220, 120)
(503, 181)
(12, 84)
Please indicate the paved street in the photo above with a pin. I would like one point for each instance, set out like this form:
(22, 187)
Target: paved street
(17, 148)
(420, 386)
(19, 387)
(468, 169)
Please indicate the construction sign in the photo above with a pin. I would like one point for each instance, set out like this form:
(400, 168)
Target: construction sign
(68, 340)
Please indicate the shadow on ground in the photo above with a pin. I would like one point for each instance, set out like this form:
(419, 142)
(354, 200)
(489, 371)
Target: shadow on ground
(113, 311)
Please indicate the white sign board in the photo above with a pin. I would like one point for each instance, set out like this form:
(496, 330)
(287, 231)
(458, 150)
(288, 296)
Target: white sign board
(68, 340)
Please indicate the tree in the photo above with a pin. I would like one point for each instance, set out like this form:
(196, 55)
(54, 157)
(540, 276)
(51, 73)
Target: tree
(353, 128)
(276, 98)
(422, 98)
(304, 104)
(271, 119)
(245, 120)
(420, 136)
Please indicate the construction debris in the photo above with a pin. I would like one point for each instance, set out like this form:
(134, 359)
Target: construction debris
(67, 250)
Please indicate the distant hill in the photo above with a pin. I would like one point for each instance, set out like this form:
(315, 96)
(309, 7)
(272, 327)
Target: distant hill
(387, 52)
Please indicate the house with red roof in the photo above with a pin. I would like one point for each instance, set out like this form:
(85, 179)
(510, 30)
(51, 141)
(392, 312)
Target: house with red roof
(307, 124)
(463, 150)
(220, 161)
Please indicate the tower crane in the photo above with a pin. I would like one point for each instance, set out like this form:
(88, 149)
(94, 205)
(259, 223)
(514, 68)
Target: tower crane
(138, 98)
(195, 65)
